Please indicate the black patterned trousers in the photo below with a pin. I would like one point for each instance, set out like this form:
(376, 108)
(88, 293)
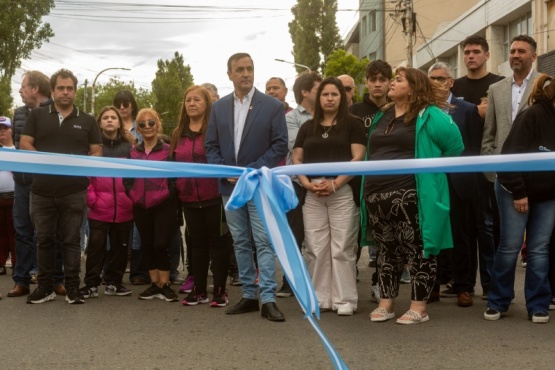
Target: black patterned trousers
(394, 218)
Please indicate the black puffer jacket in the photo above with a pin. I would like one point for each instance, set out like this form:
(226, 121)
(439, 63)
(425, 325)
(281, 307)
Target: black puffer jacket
(18, 122)
(533, 131)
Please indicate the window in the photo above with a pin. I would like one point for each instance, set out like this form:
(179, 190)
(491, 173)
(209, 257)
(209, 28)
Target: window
(372, 22)
(519, 26)
(372, 57)
(364, 26)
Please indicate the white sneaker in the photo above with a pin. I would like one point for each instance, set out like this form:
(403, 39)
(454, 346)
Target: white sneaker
(375, 293)
(345, 311)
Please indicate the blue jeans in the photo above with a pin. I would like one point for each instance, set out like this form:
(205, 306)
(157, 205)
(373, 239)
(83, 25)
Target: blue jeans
(25, 248)
(538, 223)
(240, 222)
(61, 216)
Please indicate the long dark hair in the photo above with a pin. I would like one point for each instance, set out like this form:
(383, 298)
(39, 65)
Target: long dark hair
(185, 119)
(126, 96)
(121, 130)
(342, 112)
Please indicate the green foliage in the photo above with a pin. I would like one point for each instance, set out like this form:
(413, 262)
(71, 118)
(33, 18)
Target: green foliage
(340, 63)
(104, 95)
(6, 99)
(314, 32)
(172, 79)
(22, 32)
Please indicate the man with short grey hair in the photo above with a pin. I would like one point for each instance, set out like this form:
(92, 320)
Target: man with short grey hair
(463, 188)
(349, 85)
(213, 90)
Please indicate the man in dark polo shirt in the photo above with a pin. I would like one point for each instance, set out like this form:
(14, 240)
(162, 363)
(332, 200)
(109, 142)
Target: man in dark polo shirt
(58, 202)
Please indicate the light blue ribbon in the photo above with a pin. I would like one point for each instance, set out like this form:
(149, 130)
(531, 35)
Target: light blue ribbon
(272, 193)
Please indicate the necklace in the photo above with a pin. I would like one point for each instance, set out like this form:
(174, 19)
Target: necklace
(325, 134)
(327, 129)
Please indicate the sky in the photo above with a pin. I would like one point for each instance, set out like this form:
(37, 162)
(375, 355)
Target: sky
(97, 34)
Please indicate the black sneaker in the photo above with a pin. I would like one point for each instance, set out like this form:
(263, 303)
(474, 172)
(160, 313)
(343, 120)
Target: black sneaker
(285, 292)
(492, 314)
(194, 298)
(74, 296)
(89, 292)
(540, 318)
(219, 299)
(41, 295)
(116, 289)
(168, 294)
(153, 291)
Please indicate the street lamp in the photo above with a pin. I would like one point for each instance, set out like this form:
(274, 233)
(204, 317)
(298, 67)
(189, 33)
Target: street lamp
(295, 64)
(94, 84)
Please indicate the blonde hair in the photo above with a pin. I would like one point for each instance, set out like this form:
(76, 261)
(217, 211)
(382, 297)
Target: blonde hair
(149, 111)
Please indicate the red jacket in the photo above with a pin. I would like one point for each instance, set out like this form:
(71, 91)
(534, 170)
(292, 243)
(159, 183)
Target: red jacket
(192, 189)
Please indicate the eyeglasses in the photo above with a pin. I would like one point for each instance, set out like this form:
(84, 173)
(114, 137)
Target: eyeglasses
(439, 78)
(389, 127)
(150, 122)
(348, 88)
(124, 103)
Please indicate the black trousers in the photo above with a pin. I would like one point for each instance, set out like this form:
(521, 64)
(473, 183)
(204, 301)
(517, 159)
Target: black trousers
(207, 244)
(394, 217)
(96, 251)
(157, 227)
(463, 251)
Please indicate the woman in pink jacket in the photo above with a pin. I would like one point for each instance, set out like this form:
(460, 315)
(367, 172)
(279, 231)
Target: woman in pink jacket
(202, 203)
(110, 214)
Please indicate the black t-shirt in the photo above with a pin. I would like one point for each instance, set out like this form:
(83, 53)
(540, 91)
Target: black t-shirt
(74, 135)
(336, 147)
(397, 143)
(473, 90)
(366, 110)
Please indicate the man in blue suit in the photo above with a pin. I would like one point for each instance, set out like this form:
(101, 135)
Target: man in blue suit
(247, 128)
(463, 187)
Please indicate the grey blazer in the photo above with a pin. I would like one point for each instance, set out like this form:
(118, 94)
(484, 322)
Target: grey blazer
(498, 120)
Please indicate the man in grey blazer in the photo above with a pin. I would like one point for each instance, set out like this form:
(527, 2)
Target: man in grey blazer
(506, 99)
(247, 128)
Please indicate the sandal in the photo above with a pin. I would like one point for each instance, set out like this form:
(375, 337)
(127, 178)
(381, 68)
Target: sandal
(412, 317)
(381, 314)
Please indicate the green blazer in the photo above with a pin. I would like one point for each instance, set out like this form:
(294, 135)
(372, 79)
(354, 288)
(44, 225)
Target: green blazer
(436, 136)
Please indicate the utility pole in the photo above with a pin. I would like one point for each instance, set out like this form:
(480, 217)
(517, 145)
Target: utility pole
(85, 96)
(409, 29)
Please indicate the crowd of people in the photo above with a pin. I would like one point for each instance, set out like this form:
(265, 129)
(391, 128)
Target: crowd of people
(425, 229)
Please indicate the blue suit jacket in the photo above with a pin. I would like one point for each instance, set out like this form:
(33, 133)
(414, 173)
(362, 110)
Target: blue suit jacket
(264, 139)
(471, 126)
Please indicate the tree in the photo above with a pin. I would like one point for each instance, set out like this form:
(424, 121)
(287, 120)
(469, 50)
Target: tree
(104, 95)
(22, 32)
(339, 63)
(314, 32)
(172, 79)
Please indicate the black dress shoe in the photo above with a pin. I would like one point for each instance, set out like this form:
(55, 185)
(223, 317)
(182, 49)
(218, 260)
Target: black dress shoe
(271, 312)
(245, 305)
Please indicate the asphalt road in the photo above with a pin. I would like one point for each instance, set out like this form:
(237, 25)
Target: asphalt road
(125, 333)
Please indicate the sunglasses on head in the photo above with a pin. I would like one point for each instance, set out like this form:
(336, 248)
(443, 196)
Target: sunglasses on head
(150, 122)
(125, 104)
(348, 88)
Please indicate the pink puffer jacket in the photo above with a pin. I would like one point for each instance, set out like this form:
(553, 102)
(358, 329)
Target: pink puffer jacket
(106, 196)
(194, 189)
